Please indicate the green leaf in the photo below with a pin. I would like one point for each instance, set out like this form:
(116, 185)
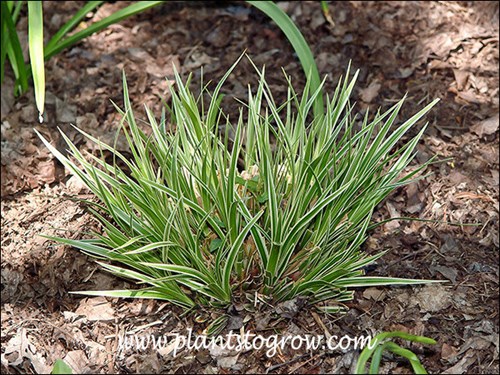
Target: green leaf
(60, 367)
(217, 325)
(119, 15)
(379, 344)
(72, 23)
(299, 45)
(141, 293)
(4, 39)
(215, 244)
(35, 35)
(364, 281)
(13, 49)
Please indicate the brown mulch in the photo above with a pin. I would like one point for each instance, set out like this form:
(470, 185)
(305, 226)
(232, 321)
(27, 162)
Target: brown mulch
(446, 50)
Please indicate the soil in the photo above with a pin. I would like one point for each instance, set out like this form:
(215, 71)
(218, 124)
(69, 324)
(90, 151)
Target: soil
(446, 50)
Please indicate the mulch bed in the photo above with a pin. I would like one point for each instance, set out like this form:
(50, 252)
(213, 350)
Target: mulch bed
(446, 50)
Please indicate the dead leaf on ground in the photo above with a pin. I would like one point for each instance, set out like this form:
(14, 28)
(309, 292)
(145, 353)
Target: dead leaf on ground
(463, 365)
(371, 92)
(96, 309)
(448, 272)
(461, 78)
(374, 294)
(77, 360)
(449, 353)
(486, 127)
(432, 298)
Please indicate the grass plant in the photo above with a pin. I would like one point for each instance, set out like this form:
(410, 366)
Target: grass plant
(278, 207)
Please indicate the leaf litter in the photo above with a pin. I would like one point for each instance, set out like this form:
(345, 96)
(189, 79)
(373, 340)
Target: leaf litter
(400, 47)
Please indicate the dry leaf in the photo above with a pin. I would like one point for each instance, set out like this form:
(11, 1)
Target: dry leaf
(96, 309)
(374, 294)
(448, 352)
(461, 77)
(432, 298)
(486, 127)
(77, 360)
(369, 93)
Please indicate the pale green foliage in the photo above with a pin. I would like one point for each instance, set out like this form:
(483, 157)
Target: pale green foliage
(381, 343)
(195, 229)
(60, 367)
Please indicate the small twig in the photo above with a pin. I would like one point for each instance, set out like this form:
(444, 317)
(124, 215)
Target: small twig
(294, 369)
(293, 360)
(321, 324)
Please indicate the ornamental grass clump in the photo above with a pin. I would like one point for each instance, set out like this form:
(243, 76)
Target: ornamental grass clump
(277, 210)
